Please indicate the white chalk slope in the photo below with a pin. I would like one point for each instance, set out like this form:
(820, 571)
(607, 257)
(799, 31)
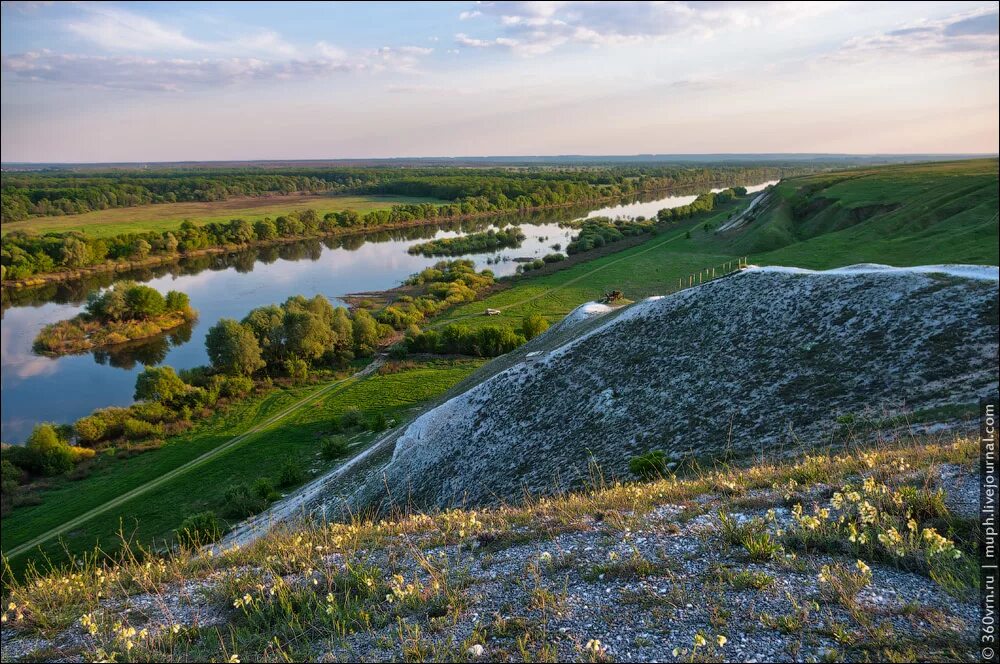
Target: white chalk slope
(766, 358)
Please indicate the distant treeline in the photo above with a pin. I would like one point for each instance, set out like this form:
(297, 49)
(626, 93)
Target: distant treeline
(26, 194)
(484, 192)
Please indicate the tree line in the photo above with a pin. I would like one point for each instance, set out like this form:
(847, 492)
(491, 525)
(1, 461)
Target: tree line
(61, 191)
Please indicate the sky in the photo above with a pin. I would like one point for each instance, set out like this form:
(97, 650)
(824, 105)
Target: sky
(147, 81)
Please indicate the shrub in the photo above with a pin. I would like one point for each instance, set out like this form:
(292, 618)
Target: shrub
(199, 529)
(290, 474)
(236, 387)
(264, 488)
(102, 424)
(10, 477)
(138, 429)
(46, 454)
(152, 411)
(378, 423)
(160, 384)
(333, 446)
(297, 370)
(243, 501)
(351, 419)
(533, 325)
(648, 465)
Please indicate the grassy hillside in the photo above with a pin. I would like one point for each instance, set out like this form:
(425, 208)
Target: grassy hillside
(155, 514)
(899, 215)
(168, 216)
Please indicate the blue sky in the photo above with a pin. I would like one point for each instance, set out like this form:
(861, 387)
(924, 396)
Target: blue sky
(150, 81)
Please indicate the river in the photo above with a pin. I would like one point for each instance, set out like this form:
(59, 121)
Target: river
(43, 389)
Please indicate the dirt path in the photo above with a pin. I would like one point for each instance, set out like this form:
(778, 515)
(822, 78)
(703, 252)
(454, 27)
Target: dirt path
(190, 465)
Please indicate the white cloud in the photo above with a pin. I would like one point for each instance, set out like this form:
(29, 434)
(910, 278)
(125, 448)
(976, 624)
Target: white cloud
(118, 30)
(465, 16)
(129, 72)
(968, 36)
(531, 28)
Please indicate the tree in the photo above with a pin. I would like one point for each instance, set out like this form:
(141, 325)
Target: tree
(266, 325)
(265, 229)
(233, 349)
(144, 301)
(75, 252)
(307, 336)
(243, 232)
(533, 325)
(177, 301)
(366, 335)
(159, 384)
(141, 249)
(48, 454)
(170, 243)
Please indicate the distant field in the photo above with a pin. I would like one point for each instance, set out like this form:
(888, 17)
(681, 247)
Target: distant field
(296, 437)
(166, 216)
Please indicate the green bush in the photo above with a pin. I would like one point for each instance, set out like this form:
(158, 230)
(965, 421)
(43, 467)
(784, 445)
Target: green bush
(102, 424)
(46, 454)
(351, 419)
(138, 429)
(243, 501)
(378, 423)
(333, 447)
(290, 474)
(198, 530)
(264, 488)
(236, 387)
(649, 465)
(533, 325)
(10, 477)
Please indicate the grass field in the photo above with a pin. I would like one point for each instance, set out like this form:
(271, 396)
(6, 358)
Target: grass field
(155, 514)
(167, 216)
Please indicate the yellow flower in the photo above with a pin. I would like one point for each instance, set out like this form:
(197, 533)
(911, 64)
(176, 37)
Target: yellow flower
(721, 640)
(699, 640)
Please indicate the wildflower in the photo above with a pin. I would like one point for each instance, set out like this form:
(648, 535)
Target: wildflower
(721, 640)
(867, 512)
(594, 647)
(234, 659)
(699, 640)
(865, 570)
(545, 558)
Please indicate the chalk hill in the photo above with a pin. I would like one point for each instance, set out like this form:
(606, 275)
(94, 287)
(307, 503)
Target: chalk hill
(768, 358)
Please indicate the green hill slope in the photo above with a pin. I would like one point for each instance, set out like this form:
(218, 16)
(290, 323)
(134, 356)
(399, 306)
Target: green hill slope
(901, 215)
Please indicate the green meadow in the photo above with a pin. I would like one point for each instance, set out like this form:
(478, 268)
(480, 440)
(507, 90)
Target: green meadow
(168, 216)
(153, 515)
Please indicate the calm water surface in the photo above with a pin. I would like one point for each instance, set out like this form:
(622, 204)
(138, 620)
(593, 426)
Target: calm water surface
(41, 389)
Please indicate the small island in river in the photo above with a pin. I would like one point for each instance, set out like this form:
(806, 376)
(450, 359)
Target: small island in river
(125, 312)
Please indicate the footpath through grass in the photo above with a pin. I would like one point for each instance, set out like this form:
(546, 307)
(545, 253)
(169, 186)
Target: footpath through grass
(262, 445)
